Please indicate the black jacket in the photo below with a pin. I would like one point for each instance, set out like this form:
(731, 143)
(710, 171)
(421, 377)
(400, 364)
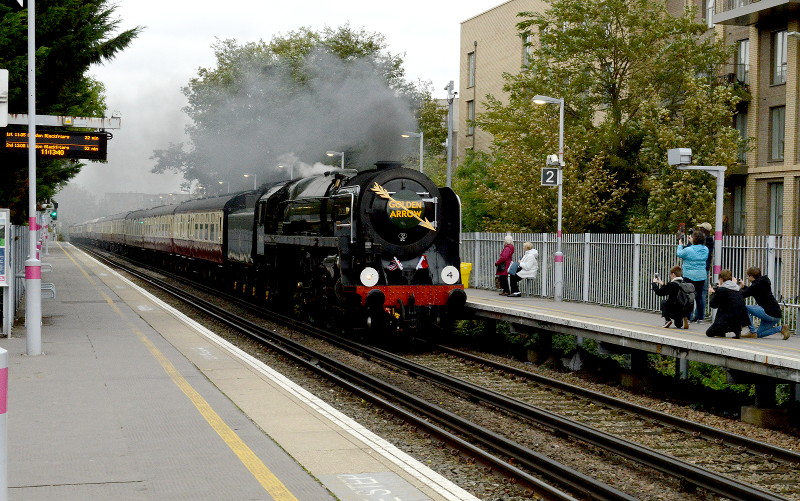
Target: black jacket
(731, 312)
(761, 291)
(710, 244)
(670, 308)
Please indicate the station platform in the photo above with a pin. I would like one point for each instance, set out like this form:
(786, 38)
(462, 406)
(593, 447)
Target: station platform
(771, 356)
(131, 400)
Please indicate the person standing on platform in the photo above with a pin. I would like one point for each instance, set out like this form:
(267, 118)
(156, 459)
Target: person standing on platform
(728, 299)
(709, 243)
(766, 307)
(695, 256)
(671, 310)
(503, 263)
(528, 267)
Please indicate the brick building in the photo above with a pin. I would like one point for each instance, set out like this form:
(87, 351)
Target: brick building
(764, 189)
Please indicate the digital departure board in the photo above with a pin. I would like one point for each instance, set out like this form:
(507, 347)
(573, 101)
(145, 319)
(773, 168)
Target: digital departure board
(87, 145)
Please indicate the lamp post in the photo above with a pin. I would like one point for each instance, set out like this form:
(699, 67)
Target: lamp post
(255, 179)
(558, 288)
(291, 170)
(420, 136)
(451, 96)
(336, 154)
(680, 157)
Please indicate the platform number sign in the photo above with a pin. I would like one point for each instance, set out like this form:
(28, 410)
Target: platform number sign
(551, 176)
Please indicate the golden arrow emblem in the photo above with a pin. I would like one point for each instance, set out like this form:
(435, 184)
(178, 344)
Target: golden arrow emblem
(381, 192)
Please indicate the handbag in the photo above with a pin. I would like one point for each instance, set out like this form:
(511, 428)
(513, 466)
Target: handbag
(501, 267)
(514, 268)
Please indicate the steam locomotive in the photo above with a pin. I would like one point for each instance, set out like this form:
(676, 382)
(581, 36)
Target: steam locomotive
(375, 251)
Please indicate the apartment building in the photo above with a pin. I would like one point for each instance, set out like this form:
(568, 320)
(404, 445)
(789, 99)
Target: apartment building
(764, 189)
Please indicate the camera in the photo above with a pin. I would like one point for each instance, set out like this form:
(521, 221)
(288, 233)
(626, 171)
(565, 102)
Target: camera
(656, 276)
(681, 233)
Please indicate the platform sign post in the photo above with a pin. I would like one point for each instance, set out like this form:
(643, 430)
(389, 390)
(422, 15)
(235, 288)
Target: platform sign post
(33, 267)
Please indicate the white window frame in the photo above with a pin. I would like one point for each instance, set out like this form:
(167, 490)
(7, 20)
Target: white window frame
(740, 123)
(471, 69)
(776, 208)
(739, 210)
(527, 49)
(777, 133)
(743, 60)
(470, 117)
(779, 57)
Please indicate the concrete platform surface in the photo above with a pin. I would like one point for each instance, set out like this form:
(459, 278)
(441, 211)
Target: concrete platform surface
(131, 400)
(770, 356)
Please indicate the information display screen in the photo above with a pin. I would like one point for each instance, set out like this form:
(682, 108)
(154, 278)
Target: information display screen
(87, 145)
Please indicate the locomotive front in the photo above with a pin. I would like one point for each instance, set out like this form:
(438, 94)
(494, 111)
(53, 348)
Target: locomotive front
(402, 260)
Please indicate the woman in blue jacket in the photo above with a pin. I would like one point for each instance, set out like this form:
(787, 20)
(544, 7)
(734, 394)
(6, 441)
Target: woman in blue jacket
(694, 270)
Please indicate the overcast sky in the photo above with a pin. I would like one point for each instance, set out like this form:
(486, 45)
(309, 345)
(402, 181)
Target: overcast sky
(143, 83)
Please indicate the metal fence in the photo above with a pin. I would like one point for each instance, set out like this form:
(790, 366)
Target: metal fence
(616, 269)
(17, 245)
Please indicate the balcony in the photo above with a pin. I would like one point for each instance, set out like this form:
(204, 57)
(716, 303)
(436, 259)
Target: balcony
(747, 12)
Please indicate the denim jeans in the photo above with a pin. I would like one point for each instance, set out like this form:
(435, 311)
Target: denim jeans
(698, 313)
(769, 325)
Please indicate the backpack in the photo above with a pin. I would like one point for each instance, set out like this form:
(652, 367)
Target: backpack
(686, 295)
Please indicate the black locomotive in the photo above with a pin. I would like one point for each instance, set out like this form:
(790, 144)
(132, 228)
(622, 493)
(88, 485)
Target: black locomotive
(374, 251)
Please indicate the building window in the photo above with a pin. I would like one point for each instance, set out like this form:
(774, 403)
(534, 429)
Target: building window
(777, 119)
(740, 120)
(471, 69)
(470, 117)
(776, 208)
(779, 57)
(527, 49)
(743, 61)
(738, 210)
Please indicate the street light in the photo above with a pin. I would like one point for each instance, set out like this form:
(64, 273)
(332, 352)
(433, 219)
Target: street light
(558, 289)
(419, 135)
(291, 170)
(255, 179)
(336, 154)
(229, 185)
(680, 157)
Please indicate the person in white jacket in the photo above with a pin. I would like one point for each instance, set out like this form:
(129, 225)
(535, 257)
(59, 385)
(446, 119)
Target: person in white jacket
(528, 266)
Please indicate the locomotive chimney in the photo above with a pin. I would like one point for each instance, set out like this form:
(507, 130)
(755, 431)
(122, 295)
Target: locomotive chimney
(387, 164)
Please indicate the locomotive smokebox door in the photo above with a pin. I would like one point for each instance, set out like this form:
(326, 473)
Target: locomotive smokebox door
(402, 207)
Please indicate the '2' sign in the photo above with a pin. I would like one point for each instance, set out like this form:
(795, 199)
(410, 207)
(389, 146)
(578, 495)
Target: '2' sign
(551, 176)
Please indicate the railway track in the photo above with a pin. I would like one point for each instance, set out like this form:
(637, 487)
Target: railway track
(489, 445)
(771, 468)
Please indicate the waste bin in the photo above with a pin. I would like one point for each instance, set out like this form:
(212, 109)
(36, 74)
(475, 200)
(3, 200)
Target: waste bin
(466, 269)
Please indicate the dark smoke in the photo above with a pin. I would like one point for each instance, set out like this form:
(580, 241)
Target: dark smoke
(346, 105)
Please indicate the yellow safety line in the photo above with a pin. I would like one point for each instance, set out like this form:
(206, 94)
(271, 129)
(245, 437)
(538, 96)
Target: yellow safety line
(249, 459)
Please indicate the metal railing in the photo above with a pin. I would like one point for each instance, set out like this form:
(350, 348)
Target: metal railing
(617, 269)
(17, 246)
(726, 5)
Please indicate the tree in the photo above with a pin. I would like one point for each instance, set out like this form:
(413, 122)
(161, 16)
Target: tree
(626, 69)
(289, 101)
(71, 35)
